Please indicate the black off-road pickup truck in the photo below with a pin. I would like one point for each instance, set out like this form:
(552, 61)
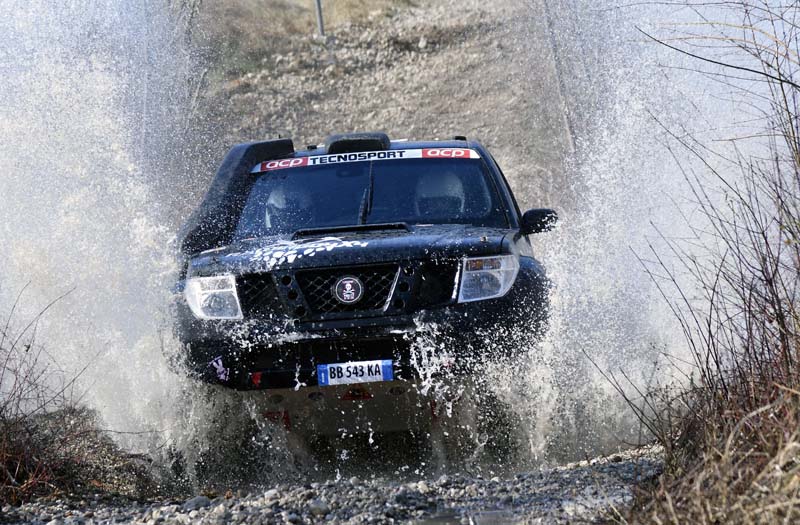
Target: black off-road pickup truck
(308, 269)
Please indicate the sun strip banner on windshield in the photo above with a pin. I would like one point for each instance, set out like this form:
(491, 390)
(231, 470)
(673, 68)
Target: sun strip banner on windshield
(318, 160)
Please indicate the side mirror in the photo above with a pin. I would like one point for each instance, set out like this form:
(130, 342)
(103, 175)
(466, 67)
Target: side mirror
(538, 220)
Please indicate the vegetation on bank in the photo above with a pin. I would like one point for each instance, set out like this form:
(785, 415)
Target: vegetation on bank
(49, 443)
(38, 427)
(732, 441)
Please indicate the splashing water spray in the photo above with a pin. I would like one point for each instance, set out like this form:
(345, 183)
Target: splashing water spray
(91, 95)
(93, 115)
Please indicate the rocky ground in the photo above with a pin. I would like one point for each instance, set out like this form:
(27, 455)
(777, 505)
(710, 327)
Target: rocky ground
(584, 492)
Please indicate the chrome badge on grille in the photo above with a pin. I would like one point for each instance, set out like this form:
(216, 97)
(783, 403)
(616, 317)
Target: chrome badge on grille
(348, 289)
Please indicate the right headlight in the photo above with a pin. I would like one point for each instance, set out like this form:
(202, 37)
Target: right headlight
(487, 277)
(213, 297)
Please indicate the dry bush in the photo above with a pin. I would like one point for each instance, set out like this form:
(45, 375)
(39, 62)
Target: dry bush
(41, 430)
(733, 439)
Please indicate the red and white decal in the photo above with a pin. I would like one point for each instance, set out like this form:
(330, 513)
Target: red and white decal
(318, 160)
(280, 164)
(449, 153)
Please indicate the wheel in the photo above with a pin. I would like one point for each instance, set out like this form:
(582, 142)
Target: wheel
(474, 431)
(227, 442)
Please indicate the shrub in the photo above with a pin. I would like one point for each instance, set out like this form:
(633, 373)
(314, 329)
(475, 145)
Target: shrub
(45, 437)
(732, 443)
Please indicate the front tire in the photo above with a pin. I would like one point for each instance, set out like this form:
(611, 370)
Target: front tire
(474, 432)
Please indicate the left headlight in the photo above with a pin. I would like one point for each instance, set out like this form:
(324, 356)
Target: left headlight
(487, 277)
(213, 297)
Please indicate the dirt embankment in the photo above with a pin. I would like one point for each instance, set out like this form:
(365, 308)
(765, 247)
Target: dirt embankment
(433, 70)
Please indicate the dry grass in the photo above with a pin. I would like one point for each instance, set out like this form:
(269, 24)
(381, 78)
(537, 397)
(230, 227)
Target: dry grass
(43, 435)
(733, 440)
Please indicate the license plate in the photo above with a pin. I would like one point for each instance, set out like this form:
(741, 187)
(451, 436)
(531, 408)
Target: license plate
(355, 372)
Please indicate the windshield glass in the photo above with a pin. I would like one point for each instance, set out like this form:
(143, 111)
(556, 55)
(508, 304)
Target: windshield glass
(413, 191)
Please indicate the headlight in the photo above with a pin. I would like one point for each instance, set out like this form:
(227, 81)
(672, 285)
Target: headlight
(487, 277)
(213, 297)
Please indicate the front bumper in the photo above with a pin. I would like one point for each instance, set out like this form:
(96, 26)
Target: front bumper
(257, 356)
(276, 351)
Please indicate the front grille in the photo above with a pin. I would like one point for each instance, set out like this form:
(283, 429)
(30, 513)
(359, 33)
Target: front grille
(437, 282)
(258, 295)
(317, 287)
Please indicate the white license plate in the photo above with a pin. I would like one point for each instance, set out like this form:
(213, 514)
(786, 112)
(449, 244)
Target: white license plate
(355, 372)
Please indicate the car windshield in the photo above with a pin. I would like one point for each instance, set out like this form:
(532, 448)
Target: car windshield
(412, 191)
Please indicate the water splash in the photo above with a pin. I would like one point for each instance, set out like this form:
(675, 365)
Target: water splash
(93, 113)
(89, 97)
(623, 197)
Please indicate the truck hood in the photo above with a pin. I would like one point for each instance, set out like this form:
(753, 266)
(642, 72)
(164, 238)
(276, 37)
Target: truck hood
(349, 248)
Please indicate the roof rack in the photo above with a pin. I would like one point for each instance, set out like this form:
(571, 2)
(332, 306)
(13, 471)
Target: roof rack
(354, 142)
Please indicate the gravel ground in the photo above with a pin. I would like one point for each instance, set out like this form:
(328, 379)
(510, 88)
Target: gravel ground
(442, 68)
(588, 491)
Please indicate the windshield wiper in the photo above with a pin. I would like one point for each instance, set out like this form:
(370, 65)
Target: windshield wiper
(366, 202)
(354, 228)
